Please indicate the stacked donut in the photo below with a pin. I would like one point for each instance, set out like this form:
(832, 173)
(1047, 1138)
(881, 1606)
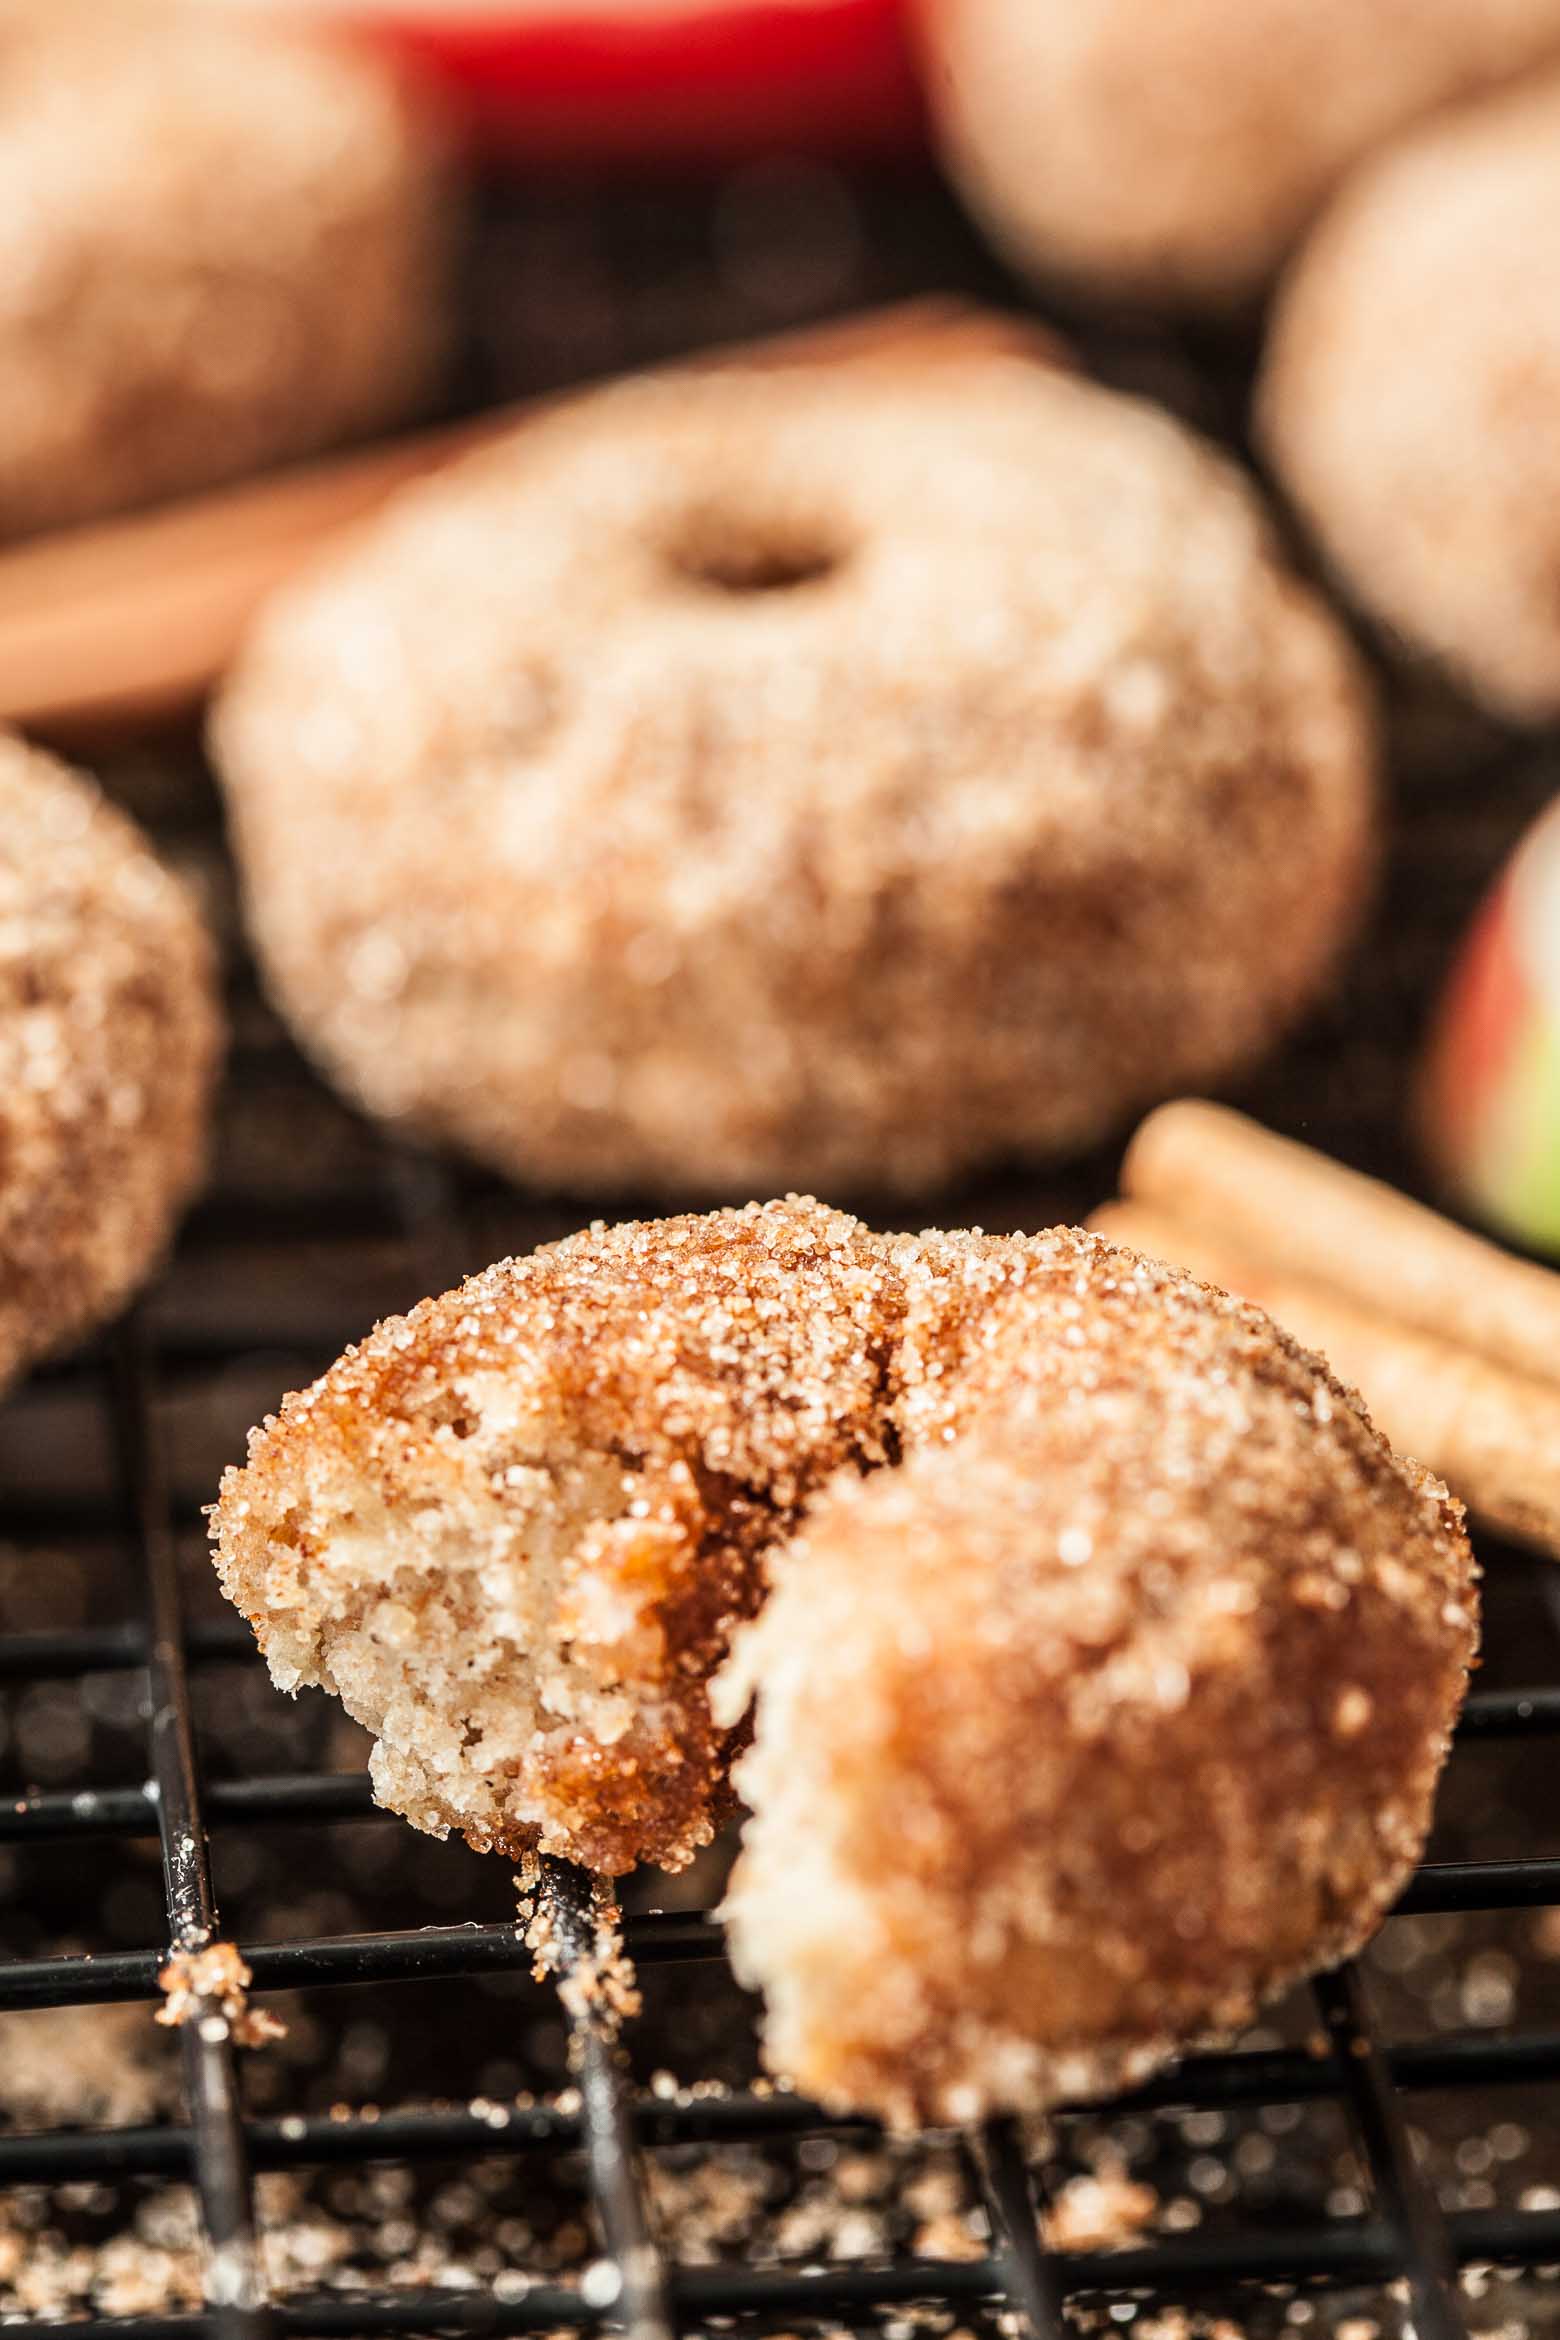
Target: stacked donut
(1109, 1655)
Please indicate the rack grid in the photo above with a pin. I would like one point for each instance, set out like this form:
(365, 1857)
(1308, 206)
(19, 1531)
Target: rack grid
(1403, 2235)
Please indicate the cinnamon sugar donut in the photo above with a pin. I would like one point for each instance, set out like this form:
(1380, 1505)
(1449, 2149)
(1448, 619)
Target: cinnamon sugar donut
(1158, 1575)
(846, 775)
(108, 1048)
(1408, 389)
(1082, 1733)
(228, 247)
(1170, 152)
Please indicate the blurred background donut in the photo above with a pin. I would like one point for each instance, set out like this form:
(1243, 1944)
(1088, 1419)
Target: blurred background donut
(227, 245)
(1169, 152)
(606, 806)
(1409, 389)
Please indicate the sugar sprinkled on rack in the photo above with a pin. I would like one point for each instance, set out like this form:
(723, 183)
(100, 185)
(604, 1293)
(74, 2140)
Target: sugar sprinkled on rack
(211, 1988)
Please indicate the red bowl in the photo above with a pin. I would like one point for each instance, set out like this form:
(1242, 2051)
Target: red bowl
(663, 81)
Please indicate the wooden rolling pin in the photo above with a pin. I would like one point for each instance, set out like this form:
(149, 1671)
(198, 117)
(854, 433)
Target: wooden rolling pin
(133, 620)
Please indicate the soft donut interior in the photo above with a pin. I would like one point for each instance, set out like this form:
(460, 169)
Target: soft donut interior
(517, 1547)
(531, 1644)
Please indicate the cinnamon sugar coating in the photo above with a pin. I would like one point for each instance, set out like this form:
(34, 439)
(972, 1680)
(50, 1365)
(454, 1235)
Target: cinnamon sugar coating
(1118, 1707)
(228, 247)
(1105, 1684)
(1170, 152)
(109, 1037)
(819, 776)
(1411, 374)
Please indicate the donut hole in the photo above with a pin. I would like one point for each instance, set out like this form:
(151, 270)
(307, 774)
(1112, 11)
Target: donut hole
(748, 554)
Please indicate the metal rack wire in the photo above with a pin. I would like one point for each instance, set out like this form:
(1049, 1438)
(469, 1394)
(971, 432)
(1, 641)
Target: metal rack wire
(1402, 2234)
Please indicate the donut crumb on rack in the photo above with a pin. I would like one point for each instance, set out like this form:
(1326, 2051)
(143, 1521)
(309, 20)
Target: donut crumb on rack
(210, 1986)
(601, 1987)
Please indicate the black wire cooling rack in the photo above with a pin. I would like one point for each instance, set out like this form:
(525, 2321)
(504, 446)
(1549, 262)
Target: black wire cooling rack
(254, 1285)
(1401, 2236)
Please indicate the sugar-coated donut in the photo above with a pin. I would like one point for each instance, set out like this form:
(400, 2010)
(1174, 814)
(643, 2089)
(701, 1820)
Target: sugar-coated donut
(1408, 389)
(1079, 1735)
(227, 246)
(1169, 152)
(108, 1047)
(819, 776)
(517, 1529)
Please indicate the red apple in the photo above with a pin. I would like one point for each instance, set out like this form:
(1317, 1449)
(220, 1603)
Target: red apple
(666, 81)
(1491, 1088)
